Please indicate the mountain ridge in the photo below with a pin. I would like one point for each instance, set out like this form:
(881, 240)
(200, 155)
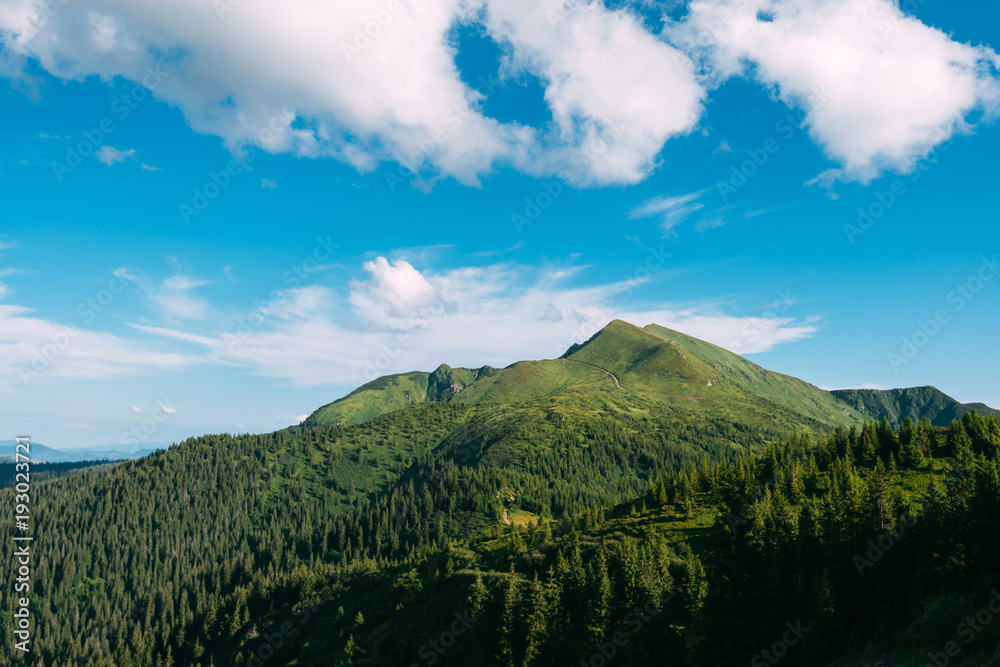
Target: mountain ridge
(655, 366)
(898, 404)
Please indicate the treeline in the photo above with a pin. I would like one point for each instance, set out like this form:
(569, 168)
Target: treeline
(172, 559)
(191, 556)
(875, 541)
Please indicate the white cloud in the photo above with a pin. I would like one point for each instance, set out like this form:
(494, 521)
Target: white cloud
(880, 89)
(496, 314)
(33, 349)
(397, 285)
(169, 410)
(173, 298)
(149, 167)
(72, 425)
(671, 210)
(302, 77)
(616, 92)
(136, 409)
(110, 155)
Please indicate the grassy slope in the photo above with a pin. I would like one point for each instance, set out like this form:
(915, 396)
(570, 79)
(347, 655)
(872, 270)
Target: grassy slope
(663, 361)
(394, 392)
(657, 368)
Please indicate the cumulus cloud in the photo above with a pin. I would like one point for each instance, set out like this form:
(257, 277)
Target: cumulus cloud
(363, 84)
(110, 155)
(395, 287)
(616, 92)
(879, 88)
(136, 409)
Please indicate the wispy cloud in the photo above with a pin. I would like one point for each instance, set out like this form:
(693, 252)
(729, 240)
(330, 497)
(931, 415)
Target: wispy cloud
(403, 318)
(670, 210)
(110, 155)
(174, 297)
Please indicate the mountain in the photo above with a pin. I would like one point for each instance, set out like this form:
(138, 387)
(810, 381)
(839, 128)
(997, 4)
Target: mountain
(43, 453)
(650, 368)
(394, 392)
(897, 405)
(541, 503)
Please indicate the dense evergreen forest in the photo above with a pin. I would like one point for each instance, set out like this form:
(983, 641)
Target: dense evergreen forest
(632, 539)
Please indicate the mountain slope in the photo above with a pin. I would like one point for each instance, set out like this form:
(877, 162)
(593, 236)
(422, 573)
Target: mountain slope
(654, 367)
(916, 402)
(661, 360)
(394, 392)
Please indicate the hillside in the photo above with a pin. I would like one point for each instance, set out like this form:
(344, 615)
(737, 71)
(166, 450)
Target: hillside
(394, 392)
(666, 362)
(897, 405)
(651, 368)
(371, 533)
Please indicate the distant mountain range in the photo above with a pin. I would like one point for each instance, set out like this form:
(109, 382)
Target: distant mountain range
(898, 404)
(43, 453)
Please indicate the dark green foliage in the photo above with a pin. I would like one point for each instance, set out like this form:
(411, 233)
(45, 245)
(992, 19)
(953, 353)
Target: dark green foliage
(898, 405)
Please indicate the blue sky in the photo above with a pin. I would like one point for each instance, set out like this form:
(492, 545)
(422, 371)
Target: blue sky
(477, 183)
